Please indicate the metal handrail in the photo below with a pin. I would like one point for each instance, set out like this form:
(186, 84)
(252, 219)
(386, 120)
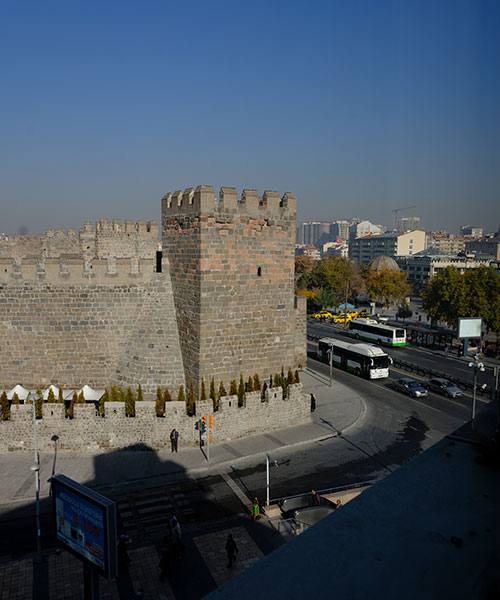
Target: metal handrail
(341, 488)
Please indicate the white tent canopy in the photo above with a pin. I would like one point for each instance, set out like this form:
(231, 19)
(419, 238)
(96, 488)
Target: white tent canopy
(91, 394)
(22, 392)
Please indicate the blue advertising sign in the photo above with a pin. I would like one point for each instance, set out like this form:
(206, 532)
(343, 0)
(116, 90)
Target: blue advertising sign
(85, 523)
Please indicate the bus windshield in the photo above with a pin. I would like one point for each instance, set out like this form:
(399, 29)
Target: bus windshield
(381, 362)
(400, 333)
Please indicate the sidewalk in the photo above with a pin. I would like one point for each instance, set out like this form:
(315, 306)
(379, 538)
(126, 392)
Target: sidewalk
(337, 409)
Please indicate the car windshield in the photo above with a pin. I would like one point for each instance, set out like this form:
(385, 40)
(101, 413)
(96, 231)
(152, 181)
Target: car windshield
(448, 384)
(412, 384)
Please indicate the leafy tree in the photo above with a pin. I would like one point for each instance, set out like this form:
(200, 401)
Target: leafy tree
(233, 388)
(203, 393)
(166, 395)
(102, 403)
(160, 402)
(404, 311)
(250, 384)
(222, 391)
(304, 264)
(310, 296)
(339, 275)
(60, 397)
(191, 400)
(115, 397)
(181, 396)
(445, 297)
(4, 403)
(129, 403)
(387, 286)
(15, 399)
(213, 395)
(297, 377)
(140, 396)
(51, 398)
(241, 390)
(324, 298)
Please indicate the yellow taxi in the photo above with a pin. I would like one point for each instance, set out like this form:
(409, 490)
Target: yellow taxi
(323, 314)
(343, 318)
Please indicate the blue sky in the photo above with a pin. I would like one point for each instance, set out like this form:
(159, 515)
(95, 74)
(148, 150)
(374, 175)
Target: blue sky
(356, 107)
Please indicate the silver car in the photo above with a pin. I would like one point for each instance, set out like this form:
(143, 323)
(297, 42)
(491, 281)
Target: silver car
(409, 386)
(444, 386)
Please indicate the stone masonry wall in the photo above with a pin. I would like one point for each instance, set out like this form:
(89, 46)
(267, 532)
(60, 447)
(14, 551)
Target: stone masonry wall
(232, 265)
(72, 329)
(89, 432)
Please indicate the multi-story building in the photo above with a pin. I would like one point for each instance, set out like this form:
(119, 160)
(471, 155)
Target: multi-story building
(421, 267)
(336, 249)
(490, 246)
(470, 231)
(366, 248)
(447, 243)
(340, 230)
(408, 223)
(312, 251)
(313, 233)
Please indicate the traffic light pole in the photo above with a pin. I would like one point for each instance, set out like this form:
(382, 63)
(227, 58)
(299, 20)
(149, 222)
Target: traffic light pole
(208, 442)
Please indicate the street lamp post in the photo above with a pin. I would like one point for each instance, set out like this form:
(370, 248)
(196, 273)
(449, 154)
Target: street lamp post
(330, 354)
(33, 397)
(268, 466)
(477, 366)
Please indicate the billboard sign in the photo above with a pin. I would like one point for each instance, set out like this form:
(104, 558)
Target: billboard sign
(469, 327)
(85, 524)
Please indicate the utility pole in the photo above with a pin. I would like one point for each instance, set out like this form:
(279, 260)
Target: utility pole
(34, 397)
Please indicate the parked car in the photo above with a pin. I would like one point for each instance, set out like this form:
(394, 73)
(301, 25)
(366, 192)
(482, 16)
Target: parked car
(352, 312)
(443, 386)
(323, 314)
(342, 318)
(409, 386)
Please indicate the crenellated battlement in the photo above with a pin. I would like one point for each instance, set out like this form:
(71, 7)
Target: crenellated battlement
(146, 229)
(203, 201)
(74, 270)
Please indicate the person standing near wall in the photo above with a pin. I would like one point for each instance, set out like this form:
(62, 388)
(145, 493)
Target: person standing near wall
(174, 439)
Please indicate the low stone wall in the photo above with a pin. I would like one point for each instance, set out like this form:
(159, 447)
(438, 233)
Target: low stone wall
(88, 432)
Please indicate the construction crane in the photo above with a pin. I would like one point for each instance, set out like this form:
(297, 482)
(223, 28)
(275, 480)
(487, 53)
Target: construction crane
(396, 212)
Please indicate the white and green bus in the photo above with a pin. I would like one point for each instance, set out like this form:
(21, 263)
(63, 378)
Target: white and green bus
(371, 331)
(364, 360)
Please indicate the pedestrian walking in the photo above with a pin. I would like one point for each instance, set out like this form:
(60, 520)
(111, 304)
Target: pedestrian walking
(256, 509)
(174, 439)
(446, 350)
(176, 536)
(231, 550)
(316, 499)
(123, 557)
(313, 402)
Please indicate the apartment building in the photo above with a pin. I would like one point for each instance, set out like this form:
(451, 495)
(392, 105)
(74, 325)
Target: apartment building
(366, 248)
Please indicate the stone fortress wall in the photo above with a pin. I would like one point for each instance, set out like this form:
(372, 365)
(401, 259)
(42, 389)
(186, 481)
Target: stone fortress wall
(89, 432)
(232, 268)
(92, 309)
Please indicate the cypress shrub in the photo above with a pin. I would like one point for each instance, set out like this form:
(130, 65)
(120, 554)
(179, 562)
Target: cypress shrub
(122, 396)
(70, 411)
(15, 399)
(60, 398)
(233, 388)
(129, 403)
(276, 382)
(102, 403)
(222, 391)
(4, 403)
(115, 397)
(140, 397)
(81, 398)
(166, 395)
(213, 395)
(160, 403)
(289, 378)
(191, 400)
(257, 386)
(241, 390)
(250, 387)
(51, 399)
(181, 396)
(297, 378)
(38, 404)
(203, 393)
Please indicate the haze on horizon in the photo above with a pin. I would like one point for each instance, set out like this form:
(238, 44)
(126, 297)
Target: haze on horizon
(356, 107)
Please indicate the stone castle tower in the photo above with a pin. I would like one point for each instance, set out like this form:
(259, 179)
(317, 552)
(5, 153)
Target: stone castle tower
(232, 272)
